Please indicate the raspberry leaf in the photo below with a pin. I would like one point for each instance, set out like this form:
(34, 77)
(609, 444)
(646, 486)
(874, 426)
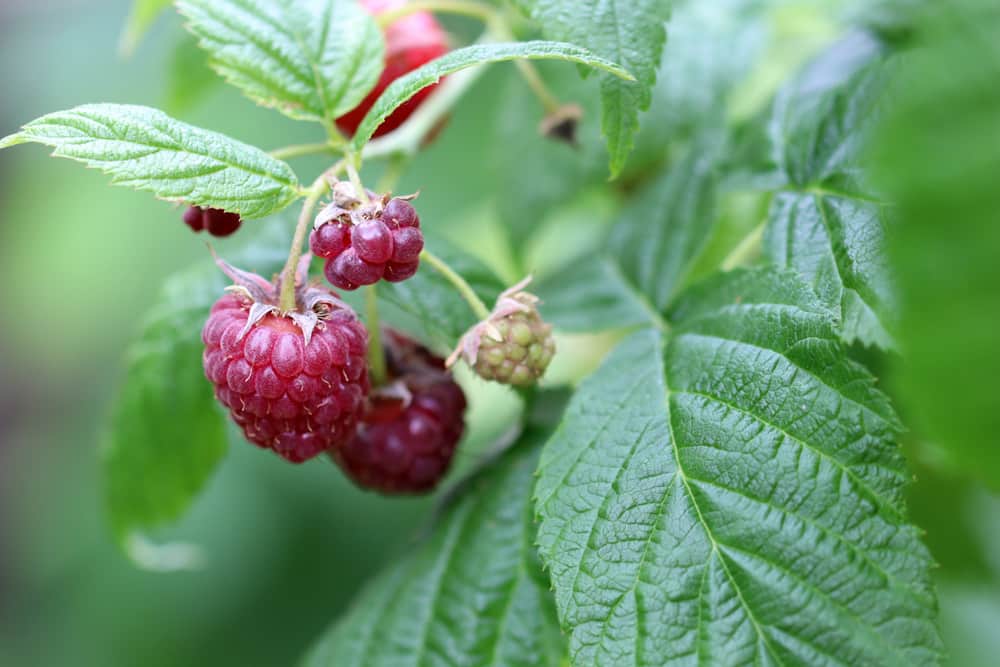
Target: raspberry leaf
(652, 250)
(827, 224)
(471, 593)
(730, 492)
(430, 303)
(940, 163)
(407, 86)
(166, 434)
(146, 149)
(312, 60)
(630, 32)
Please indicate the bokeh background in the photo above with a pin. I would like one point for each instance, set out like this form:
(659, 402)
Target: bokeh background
(286, 546)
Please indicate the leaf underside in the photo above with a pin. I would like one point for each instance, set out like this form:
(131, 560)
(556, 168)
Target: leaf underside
(731, 493)
(146, 149)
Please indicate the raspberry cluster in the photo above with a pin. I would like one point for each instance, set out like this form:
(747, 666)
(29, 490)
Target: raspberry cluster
(216, 221)
(366, 244)
(408, 434)
(295, 383)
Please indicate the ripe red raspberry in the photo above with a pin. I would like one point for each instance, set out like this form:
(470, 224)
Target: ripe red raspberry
(295, 383)
(215, 220)
(366, 244)
(410, 42)
(411, 427)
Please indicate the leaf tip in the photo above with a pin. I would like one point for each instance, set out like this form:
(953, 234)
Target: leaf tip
(12, 140)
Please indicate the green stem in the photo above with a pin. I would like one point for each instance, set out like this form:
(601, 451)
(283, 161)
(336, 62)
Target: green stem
(530, 74)
(470, 296)
(351, 164)
(746, 250)
(376, 355)
(315, 192)
(298, 150)
(461, 7)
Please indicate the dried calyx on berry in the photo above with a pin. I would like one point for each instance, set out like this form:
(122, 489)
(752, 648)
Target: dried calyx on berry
(215, 220)
(513, 345)
(411, 426)
(295, 382)
(364, 243)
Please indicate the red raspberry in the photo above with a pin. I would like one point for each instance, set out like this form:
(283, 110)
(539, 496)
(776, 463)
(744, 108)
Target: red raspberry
(410, 42)
(215, 220)
(365, 245)
(411, 427)
(294, 383)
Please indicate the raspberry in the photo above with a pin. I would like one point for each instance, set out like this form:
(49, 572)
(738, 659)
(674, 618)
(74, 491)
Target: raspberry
(363, 245)
(215, 220)
(410, 42)
(295, 383)
(514, 345)
(411, 427)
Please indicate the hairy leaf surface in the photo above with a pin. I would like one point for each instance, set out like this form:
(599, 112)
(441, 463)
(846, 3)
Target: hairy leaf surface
(731, 493)
(310, 59)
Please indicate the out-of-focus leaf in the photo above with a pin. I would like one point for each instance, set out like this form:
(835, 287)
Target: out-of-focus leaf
(141, 17)
(472, 593)
(167, 435)
(939, 158)
(189, 78)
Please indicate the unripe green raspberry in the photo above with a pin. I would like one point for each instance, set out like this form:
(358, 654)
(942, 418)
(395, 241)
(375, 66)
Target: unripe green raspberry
(514, 345)
(522, 353)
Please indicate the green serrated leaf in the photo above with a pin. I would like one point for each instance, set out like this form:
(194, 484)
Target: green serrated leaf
(146, 149)
(652, 250)
(433, 304)
(167, 434)
(827, 224)
(311, 60)
(731, 493)
(630, 32)
(940, 163)
(407, 86)
(472, 593)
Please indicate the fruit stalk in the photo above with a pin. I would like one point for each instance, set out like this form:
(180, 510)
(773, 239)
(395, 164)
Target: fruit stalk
(376, 355)
(319, 186)
(477, 305)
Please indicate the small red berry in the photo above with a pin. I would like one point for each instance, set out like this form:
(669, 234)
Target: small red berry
(215, 220)
(294, 383)
(330, 240)
(410, 42)
(372, 240)
(411, 427)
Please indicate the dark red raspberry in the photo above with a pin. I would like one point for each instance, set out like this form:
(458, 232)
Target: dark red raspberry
(215, 220)
(411, 427)
(295, 383)
(410, 42)
(368, 244)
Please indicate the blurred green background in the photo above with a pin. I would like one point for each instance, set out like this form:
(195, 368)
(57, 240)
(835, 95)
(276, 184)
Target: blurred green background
(286, 546)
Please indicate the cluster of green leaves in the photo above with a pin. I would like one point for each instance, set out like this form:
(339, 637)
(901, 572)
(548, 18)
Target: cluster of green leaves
(727, 487)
